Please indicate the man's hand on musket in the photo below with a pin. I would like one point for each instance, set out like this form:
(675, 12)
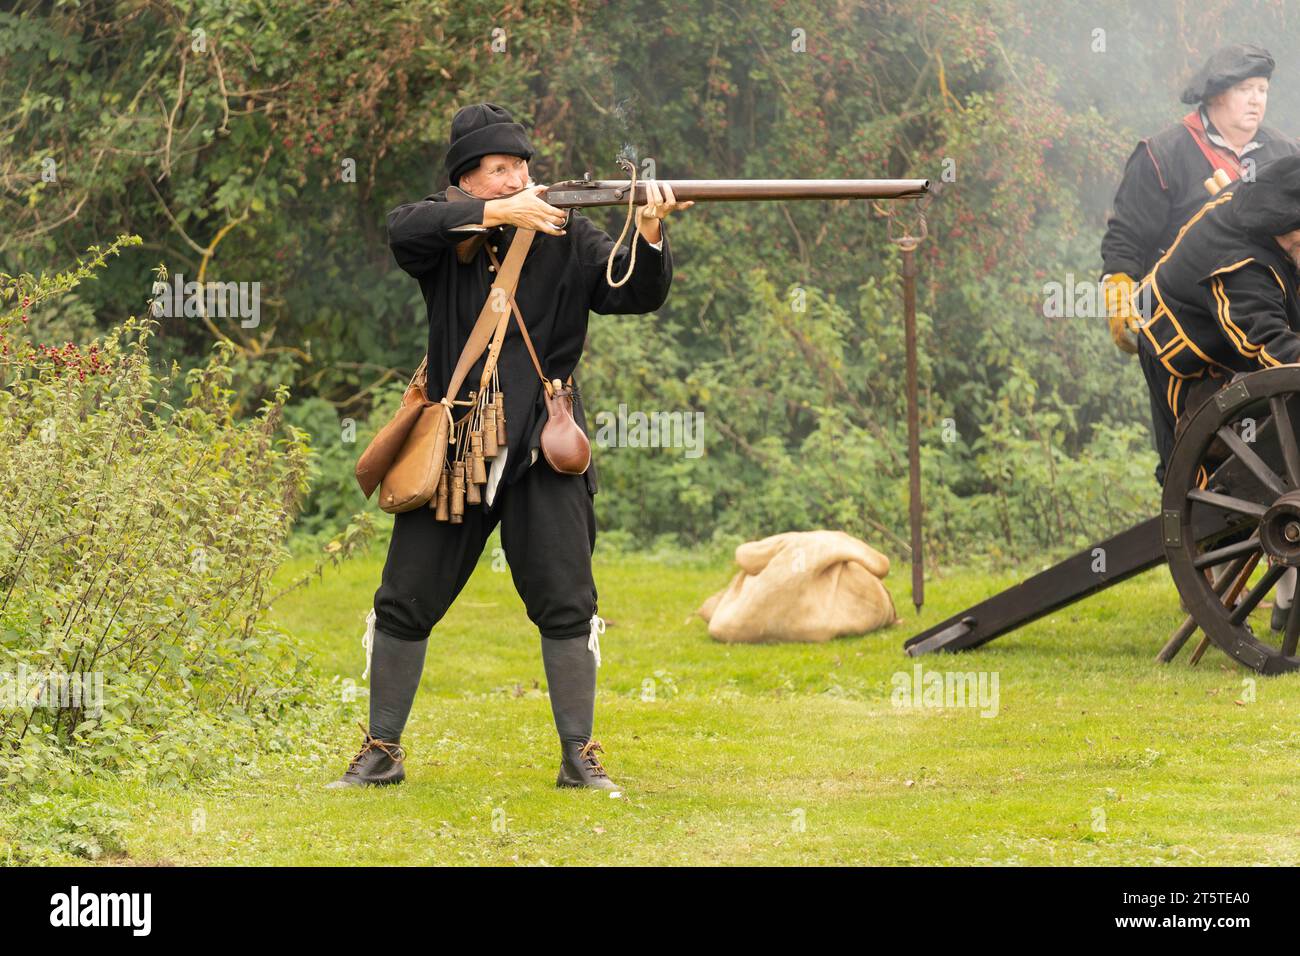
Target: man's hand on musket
(527, 210)
(658, 205)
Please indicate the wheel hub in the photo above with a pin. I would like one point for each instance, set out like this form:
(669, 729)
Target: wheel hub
(1279, 530)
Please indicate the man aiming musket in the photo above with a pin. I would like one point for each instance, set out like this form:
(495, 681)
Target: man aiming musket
(451, 243)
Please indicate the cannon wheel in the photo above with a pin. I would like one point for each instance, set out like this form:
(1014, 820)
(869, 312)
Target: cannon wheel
(1247, 430)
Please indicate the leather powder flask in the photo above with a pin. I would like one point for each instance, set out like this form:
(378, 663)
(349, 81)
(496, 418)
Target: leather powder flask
(564, 444)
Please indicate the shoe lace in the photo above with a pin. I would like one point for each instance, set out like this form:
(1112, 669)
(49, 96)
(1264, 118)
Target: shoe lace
(588, 754)
(394, 751)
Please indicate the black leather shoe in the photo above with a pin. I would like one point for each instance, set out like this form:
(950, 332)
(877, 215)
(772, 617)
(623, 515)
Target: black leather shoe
(581, 767)
(1277, 620)
(379, 764)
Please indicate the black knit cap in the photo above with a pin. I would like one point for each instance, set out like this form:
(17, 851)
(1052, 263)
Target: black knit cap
(1228, 67)
(1270, 206)
(482, 130)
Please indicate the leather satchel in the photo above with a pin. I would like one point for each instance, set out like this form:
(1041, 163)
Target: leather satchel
(385, 446)
(406, 459)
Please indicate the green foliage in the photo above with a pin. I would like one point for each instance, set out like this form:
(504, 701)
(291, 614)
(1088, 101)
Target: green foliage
(141, 523)
(227, 134)
(336, 444)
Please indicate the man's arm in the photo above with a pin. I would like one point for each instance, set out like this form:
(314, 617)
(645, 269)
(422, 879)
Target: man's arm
(1141, 213)
(1251, 309)
(419, 233)
(648, 287)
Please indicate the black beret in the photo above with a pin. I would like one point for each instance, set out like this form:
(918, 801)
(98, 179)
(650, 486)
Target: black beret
(1228, 67)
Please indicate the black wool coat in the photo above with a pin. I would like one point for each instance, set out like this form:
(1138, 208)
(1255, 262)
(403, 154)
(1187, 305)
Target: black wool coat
(562, 281)
(1222, 300)
(1163, 187)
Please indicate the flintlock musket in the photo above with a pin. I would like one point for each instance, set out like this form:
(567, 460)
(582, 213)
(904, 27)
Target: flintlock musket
(581, 193)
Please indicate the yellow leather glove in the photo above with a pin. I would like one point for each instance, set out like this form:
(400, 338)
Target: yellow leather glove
(1118, 291)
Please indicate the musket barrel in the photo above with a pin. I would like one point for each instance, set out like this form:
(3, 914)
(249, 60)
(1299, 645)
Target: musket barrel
(723, 190)
(614, 192)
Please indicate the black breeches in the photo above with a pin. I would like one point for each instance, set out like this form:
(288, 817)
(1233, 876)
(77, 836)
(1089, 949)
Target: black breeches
(1174, 401)
(1163, 418)
(548, 533)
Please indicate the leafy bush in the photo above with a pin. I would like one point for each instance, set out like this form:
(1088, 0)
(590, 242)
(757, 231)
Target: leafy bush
(806, 427)
(140, 525)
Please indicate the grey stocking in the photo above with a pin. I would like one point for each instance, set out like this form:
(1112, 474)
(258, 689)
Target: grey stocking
(571, 681)
(395, 669)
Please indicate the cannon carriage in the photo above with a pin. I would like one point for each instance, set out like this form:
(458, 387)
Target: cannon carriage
(1228, 527)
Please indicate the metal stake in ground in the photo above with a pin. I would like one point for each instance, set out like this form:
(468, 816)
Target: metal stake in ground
(907, 243)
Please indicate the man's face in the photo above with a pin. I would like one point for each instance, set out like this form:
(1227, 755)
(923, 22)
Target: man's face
(1241, 108)
(497, 175)
(1291, 245)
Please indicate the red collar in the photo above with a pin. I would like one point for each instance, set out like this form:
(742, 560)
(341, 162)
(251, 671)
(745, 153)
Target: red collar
(1219, 158)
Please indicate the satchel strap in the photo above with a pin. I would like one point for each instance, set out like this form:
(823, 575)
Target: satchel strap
(507, 279)
(421, 376)
(523, 329)
(494, 350)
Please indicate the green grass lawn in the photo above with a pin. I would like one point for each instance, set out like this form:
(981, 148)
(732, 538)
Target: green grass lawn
(779, 754)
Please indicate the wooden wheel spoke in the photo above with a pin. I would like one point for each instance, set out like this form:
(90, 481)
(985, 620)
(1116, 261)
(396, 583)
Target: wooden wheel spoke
(1292, 628)
(1227, 502)
(1212, 558)
(1256, 594)
(1236, 469)
(1286, 437)
(1248, 457)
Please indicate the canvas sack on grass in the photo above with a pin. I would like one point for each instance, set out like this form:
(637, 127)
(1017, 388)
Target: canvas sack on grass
(802, 586)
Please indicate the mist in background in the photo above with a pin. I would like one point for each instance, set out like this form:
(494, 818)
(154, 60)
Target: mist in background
(1153, 49)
